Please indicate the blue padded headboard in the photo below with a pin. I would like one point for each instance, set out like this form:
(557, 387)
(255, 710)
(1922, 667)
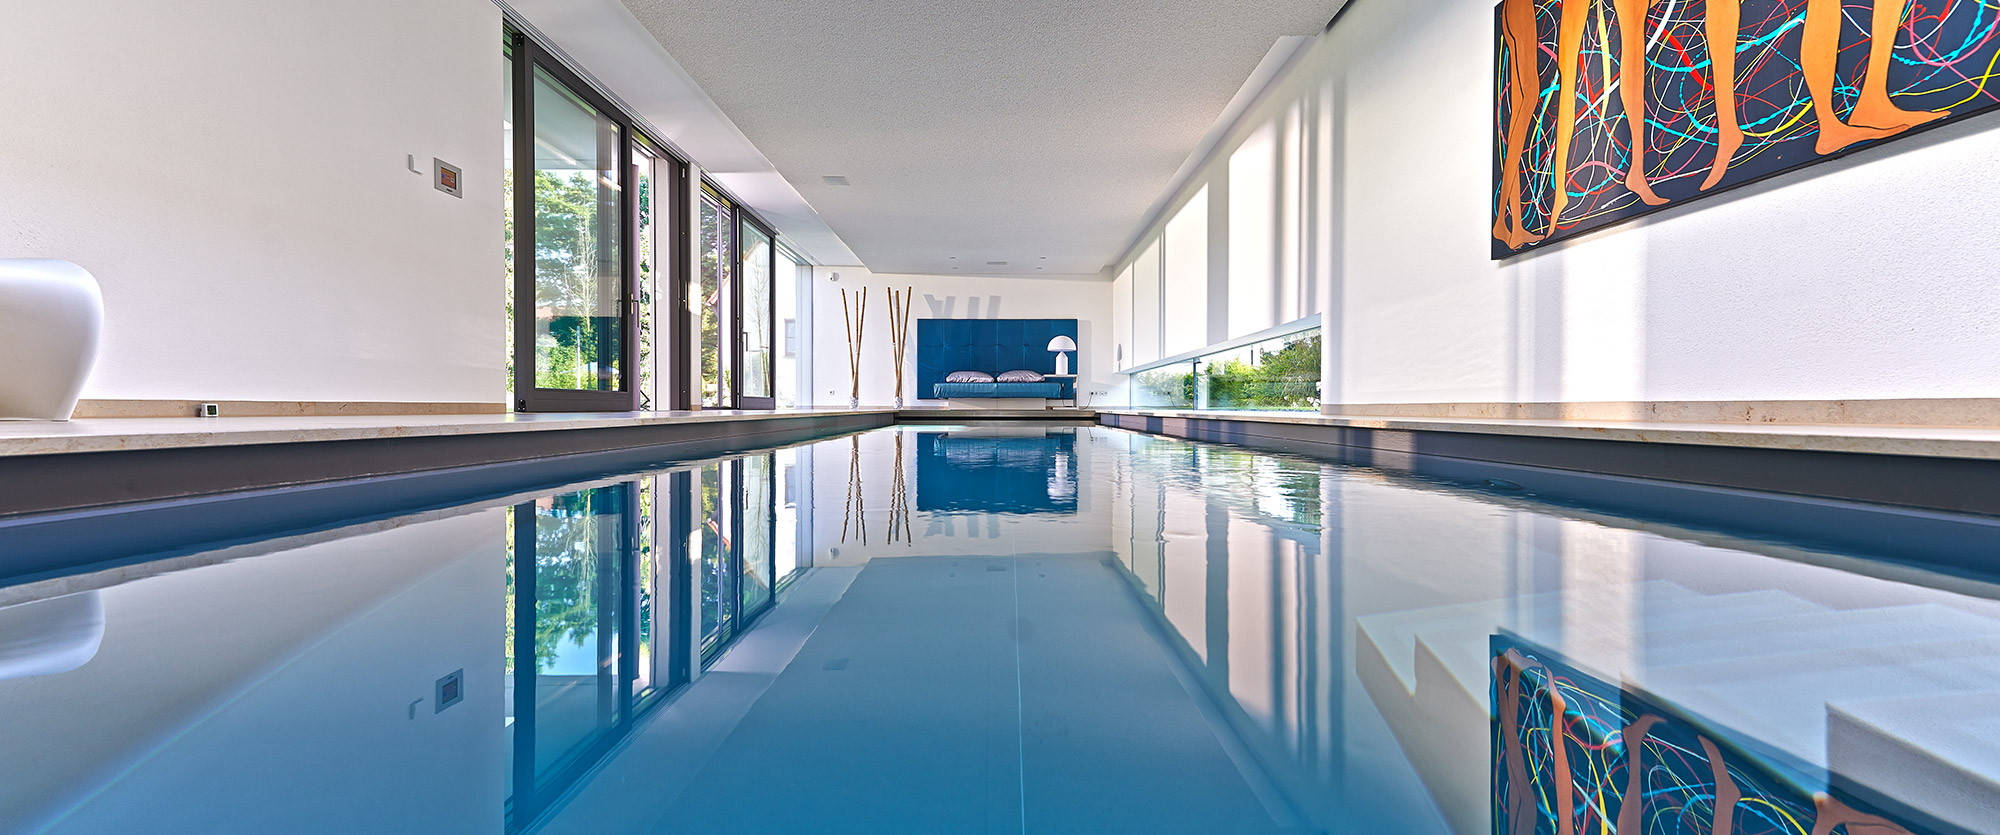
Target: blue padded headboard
(989, 345)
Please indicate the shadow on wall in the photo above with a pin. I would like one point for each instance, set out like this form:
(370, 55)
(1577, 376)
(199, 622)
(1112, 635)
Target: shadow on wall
(947, 307)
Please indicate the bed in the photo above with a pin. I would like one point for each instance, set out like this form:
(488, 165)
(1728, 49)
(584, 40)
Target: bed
(963, 391)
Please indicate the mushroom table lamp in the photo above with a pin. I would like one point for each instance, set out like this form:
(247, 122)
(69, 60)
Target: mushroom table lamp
(1062, 345)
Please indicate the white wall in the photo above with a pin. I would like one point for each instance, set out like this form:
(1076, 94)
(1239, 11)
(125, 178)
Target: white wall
(234, 173)
(1862, 278)
(954, 297)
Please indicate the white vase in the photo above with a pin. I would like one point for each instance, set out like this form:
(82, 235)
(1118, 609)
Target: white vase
(51, 314)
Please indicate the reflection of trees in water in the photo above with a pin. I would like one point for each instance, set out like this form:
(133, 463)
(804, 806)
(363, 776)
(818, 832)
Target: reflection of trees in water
(715, 547)
(570, 563)
(1262, 483)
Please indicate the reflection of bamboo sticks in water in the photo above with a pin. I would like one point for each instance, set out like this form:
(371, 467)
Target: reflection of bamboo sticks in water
(899, 499)
(857, 504)
(856, 324)
(899, 330)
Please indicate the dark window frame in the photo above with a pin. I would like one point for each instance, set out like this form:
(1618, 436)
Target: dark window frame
(528, 56)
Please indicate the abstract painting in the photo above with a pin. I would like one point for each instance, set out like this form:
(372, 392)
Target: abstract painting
(1575, 754)
(1609, 109)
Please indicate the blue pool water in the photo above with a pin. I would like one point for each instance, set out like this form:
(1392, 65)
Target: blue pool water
(1020, 628)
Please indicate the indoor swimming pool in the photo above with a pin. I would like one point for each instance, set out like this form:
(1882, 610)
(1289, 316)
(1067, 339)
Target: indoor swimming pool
(1019, 628)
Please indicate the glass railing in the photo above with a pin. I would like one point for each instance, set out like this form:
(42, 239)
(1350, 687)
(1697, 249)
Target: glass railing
(1278, 374)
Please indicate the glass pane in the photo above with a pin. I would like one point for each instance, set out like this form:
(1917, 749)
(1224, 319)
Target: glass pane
(718, 589)
(1276, 374)
(578, 283)
(577, 542)
(507, 214)
(757, 522)
(793, 274)
(1167, 387)
(756, 312)
(647, 241)
(712, 343)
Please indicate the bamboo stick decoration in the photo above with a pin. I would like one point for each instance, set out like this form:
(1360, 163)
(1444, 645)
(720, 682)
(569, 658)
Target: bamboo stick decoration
(856, 320)
(899, 332)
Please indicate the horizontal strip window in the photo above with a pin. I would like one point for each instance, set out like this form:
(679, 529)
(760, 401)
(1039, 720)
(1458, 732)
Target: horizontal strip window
(1309, 323)
(1280, 373)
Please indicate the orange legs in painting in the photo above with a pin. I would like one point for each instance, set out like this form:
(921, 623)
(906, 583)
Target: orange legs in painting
(1569, 46)
(1874, 116)
(1725, 22)
(1517, 19)
(1632, 91)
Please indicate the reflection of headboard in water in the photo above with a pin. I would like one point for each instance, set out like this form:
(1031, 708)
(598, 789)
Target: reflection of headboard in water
(986, 474)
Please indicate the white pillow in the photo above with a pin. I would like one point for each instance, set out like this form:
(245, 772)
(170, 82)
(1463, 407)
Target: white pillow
(1022, 377)
(968, 377)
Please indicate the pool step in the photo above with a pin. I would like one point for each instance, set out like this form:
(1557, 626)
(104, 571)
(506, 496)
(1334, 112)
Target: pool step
(1468, 626)
(1613, 652)
(1787, 707)
(1932, 752)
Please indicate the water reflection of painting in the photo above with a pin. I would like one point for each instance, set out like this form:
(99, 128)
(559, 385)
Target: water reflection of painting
(1574, 754)
(1627, 105)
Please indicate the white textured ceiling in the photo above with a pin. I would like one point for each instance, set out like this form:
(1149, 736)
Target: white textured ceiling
(1037, 132)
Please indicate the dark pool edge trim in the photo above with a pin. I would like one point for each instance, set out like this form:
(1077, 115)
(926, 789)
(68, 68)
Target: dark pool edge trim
(1951, 485)
(279, 489)
(38, 484)
(1927, 512)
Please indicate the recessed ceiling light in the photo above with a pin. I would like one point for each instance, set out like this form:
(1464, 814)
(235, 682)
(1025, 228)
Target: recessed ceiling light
(835, 180)
(1041, 268)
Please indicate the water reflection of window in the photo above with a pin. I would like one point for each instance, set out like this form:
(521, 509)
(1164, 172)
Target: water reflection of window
(572, 559)
(646, 594)
(601, 589)
(757, 524)
(718, 588)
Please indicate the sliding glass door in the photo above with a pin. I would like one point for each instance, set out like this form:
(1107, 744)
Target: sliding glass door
(588, 196)
(735, 307)
(572, 286)
(714, 297)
